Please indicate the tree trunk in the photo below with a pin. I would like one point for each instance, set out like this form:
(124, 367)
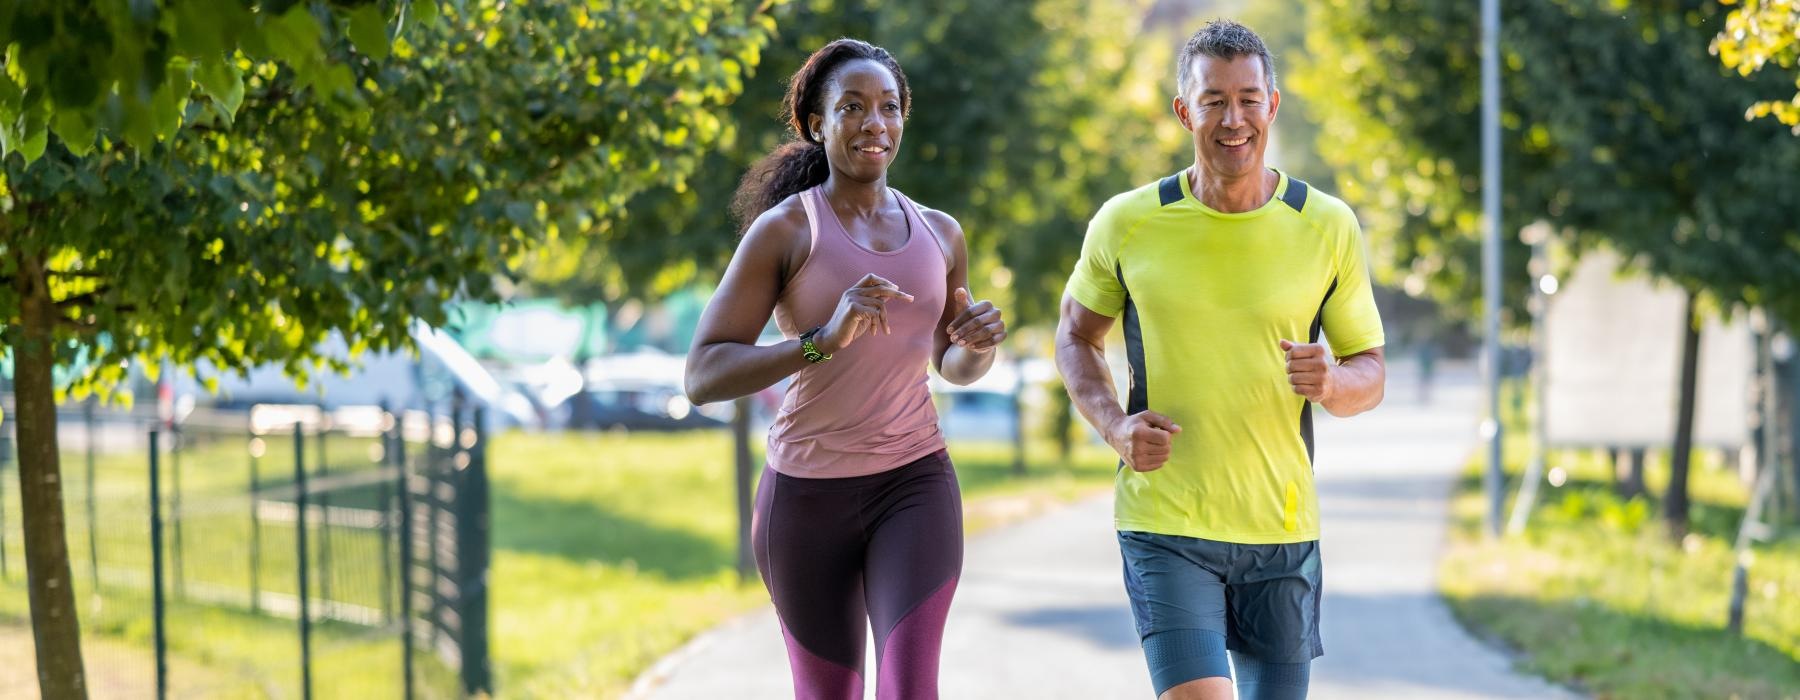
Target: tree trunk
(1065, 424)
(740, 439)
(1791, 395)
(1615, 468)
(1782, 422)
(1675, 501)
(1018, 411)
(53, 623)
(1628, 469)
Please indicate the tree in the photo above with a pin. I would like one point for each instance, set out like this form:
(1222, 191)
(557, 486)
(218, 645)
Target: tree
(1399, 95)
(1708, 209)
(1026, 116)
(1757, 34)
(81, 70)
(252, 231)
(1618, 128)
(84, 68)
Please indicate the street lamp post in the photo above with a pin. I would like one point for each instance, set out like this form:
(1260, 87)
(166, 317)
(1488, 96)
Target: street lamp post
(1490, 251)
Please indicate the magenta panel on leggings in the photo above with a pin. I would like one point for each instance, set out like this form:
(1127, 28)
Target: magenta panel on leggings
(840, 554)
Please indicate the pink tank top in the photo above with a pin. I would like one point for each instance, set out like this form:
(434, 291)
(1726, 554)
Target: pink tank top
(868, 409)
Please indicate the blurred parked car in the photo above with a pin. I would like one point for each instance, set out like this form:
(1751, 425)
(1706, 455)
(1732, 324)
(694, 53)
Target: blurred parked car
(639, 391)
(395, 379)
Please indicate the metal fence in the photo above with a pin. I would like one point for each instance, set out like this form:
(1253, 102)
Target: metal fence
(291, 552)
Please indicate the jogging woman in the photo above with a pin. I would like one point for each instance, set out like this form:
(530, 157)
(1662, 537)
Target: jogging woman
(858, 517)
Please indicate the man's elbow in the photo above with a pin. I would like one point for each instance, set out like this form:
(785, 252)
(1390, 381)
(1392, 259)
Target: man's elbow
(1346, 409)
(1379, 391)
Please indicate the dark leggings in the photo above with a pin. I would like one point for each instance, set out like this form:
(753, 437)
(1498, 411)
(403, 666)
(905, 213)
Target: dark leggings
(840, 554)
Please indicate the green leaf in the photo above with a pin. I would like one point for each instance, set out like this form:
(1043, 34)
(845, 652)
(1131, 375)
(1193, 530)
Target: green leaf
(168, 106)
(77, 129)
(218, 110)
(201, 29)
(221, 80)
(294, 38)
(36, 135)
(12, 98)
(11, 102)
(425, 12)
(368, 30)
(138, 124)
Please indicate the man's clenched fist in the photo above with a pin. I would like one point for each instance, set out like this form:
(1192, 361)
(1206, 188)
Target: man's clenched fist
(1143, 439)
(1309, 370)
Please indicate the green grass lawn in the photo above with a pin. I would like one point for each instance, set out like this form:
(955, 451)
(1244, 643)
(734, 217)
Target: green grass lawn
(610, 550)
(220, 652)
(1596, 596)
(218, 647)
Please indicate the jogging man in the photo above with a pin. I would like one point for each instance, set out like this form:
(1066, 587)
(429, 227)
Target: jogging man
(1225, 274)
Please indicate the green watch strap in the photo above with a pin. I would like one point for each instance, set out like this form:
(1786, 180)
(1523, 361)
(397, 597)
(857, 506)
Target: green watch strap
(809, 350)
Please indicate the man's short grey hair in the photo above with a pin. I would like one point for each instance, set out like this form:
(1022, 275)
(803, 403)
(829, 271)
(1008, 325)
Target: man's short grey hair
(1222, 39)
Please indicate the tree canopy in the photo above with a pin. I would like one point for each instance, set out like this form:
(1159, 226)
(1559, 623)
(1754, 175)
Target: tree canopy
(1617, 127)
(1026, 116)
(482, 132)
(1757, 34)
(81, 69)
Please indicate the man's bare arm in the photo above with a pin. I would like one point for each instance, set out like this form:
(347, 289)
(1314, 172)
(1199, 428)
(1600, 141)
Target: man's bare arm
(1142, 439)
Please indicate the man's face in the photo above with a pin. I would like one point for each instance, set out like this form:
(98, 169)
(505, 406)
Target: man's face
(1228, 107)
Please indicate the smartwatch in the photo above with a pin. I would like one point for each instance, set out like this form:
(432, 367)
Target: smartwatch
(810, 351)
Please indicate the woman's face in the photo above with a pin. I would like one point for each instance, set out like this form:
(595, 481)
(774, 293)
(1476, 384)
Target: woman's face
(862, 120)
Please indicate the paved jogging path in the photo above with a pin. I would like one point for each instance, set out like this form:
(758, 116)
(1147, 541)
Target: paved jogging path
(1041, 611)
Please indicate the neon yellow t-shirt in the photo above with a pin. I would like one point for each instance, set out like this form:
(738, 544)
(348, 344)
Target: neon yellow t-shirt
(1206, 297)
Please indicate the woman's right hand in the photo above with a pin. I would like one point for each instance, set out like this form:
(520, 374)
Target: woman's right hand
(862, 310)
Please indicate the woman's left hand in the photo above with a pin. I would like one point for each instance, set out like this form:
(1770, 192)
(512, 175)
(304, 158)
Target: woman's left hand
(977, 326)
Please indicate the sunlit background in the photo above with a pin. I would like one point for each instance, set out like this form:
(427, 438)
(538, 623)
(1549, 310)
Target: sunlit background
(321, 261)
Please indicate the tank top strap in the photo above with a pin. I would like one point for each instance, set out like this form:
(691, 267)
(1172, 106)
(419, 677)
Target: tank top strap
(812, 198)
(922, 225)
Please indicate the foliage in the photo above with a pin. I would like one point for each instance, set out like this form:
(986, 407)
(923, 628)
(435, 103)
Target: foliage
(1757, 34)
(1295, 149)
(1617, 127)
(252, 238)
(82, 69)
(1026, 116)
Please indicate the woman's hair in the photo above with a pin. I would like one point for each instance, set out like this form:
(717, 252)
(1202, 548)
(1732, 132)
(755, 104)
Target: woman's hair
(800, 163)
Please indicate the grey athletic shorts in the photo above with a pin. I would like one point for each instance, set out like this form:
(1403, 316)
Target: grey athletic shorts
(1264, 598)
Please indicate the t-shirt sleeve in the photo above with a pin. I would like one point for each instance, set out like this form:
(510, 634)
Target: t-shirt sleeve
(1095, 282)
(1352, 323)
